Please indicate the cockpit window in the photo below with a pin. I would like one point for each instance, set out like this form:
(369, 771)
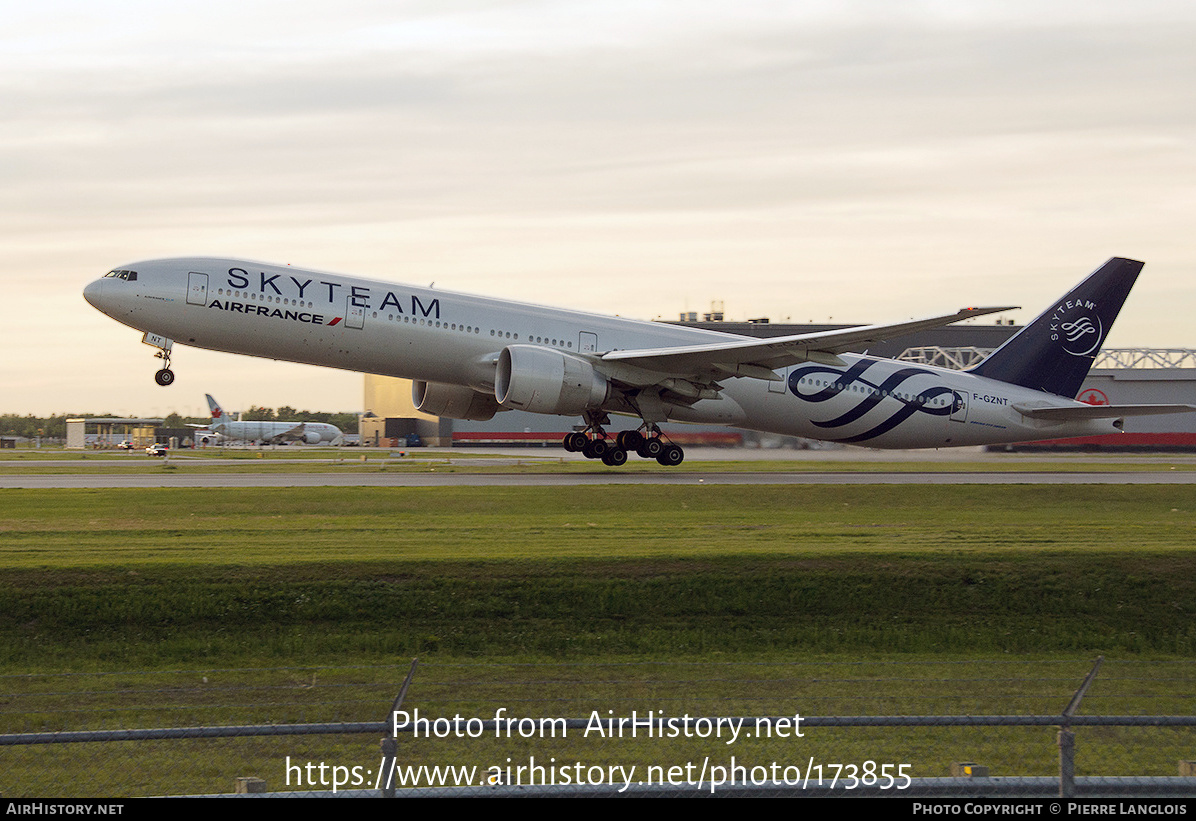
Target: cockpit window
(130, 276)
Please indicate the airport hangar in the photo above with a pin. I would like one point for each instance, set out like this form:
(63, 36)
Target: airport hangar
(1120, 376)
(110, 431)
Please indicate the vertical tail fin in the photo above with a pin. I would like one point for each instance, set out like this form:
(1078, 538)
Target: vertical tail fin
(1055, 351)
(217, 414)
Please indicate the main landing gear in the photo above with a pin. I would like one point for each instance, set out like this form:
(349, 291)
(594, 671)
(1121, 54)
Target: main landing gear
(647, 442)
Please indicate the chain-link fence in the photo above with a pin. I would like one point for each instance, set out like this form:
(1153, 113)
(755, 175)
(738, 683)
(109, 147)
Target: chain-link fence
(809, 728)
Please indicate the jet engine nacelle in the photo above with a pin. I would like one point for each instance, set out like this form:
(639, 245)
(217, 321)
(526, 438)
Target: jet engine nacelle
(312, 437)
(453, 401)
(542, 380)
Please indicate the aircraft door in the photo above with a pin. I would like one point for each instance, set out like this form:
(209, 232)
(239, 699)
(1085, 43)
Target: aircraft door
(588, 342)
(354, 315)
(779, 387)
(959, 406)
(197, 289)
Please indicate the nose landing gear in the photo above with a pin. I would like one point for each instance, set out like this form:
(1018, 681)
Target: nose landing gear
(164, 376)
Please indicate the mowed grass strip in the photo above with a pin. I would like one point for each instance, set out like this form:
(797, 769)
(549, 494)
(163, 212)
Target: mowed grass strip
(74, 529)
(158, 578)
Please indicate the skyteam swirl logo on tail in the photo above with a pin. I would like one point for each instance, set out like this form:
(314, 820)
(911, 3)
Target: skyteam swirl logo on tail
(805, 384)
(1078, 325)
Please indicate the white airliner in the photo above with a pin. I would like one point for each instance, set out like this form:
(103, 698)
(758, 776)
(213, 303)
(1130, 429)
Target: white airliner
(312, 433)
(472, 357)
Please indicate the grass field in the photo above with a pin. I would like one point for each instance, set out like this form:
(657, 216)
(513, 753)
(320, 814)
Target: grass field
(153, 577)
(906, 583)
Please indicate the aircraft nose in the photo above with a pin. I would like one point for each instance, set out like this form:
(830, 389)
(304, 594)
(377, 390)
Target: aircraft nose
(93, 292)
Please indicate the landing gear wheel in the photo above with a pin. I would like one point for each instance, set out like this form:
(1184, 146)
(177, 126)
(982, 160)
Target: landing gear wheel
(650, 448)
(164, 377)
(630, 439)
(671, 456)
(596, 449)
(615, 458)
(575, 442)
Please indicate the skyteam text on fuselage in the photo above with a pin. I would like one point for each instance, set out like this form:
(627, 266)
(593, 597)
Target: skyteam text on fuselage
(471, 357)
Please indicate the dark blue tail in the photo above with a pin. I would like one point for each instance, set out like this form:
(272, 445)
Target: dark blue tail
(1054, 352)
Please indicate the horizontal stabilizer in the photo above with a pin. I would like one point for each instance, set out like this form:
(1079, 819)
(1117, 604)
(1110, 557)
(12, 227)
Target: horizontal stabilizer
(1079, 412)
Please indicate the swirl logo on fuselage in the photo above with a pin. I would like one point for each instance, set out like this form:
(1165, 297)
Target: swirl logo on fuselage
(870, 395)
(1081, 335)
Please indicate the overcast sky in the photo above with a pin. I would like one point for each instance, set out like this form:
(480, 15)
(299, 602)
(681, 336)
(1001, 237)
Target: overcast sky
(861, 161)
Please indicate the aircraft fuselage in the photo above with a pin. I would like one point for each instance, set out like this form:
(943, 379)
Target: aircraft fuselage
(425, 334)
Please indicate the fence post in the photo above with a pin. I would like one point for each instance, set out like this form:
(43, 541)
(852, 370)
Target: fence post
(389, 746)
(1067, 763)
(1067, 739)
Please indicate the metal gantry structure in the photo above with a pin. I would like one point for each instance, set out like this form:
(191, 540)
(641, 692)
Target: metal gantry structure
(962, 358)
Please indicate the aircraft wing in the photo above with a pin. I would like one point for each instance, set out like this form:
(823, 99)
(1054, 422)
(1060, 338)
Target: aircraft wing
(1073, 413)
(758, 358)
(294, 433)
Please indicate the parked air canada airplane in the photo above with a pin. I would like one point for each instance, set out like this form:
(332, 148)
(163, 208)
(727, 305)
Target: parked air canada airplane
(471, 357)
(310, 432)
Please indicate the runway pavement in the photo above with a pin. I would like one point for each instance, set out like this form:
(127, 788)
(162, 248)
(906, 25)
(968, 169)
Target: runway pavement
(848, 466)
(613, 477)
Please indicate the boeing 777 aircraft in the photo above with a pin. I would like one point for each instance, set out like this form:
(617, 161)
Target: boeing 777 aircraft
(310, 432)
(472, 357)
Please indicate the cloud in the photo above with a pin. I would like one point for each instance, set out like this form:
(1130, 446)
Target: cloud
(631, 156)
